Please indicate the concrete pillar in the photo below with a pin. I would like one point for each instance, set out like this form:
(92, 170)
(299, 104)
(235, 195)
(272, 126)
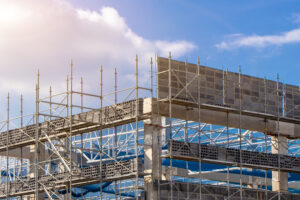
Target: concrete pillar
(41, 157)
(154, 136)
(279, 179)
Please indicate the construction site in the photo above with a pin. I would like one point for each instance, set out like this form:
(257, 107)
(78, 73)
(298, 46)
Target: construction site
(194, 132)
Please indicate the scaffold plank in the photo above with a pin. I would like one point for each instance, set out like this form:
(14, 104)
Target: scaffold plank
(229, 156)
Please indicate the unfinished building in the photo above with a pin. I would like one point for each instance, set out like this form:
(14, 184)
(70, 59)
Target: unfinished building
(197, 133)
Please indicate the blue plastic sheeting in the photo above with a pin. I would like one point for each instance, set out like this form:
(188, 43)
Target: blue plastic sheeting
(193, 166)
(13, 174)
(76, 192)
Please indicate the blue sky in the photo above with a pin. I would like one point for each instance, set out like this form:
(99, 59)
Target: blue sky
(207, 23)
(261, 36)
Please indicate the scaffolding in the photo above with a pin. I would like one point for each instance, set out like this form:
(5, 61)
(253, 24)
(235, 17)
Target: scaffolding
(197, 133)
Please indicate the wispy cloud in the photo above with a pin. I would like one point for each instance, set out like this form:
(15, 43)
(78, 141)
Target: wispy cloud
(295, 17)
(258, 41)
(47, 34)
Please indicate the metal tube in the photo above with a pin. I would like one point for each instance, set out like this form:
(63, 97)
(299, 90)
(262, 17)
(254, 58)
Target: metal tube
(36, 173)
(240, 134)
(21, 148)
(71, 123)
(115, 133)
(186, 126)
(81, 136)
(101, 133)
(199, 125)
(7, 154)
(158, 114)
(266, 144)
(278, 138)
(170, 118)
(151, 77)
(136, 124)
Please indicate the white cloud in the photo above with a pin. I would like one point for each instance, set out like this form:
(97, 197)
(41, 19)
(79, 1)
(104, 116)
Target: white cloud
(295, 17)
(257, 41)
(47, 34)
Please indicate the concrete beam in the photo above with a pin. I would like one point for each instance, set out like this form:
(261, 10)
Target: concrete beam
(16, 153)
(224, 116)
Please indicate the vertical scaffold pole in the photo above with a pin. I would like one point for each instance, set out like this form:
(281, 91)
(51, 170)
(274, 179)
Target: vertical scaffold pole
(71, 123)
(137, 125)
(153, 177)
(170, 122)
(278, 137)
(21, 148)
(81, 94)
(186, 128)
(101, 133)
(67, 137)
(151, 77)
(199, 126)
(7, 143)
(81, 136)
(266, 138)
(227, 130)
(67, 98)
(50, 118)
(240, 134)
(50, 103)
(115, 133)
(160, 136)
(36, 160)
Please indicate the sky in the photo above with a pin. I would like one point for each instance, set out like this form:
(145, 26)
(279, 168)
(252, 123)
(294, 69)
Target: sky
(263, 37)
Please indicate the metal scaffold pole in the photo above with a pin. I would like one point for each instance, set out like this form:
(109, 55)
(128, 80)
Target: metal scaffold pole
(36, 161)
(7, 154)
(115, 133)
(266, 144)
(71, 124)
(81, 135)
(137, 126)
(160, 134)
(225, 75)
(186, 128)
(278, 137)
(101, 133)
(21, 126)
(170, 120)
(199, 126)
(240, 134)
(151, 78)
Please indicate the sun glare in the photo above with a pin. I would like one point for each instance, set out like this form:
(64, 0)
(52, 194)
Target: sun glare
(11, 14)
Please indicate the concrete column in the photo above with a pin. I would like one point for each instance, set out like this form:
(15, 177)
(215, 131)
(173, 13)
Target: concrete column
(41, 157)
(153, 137)
(279, 179)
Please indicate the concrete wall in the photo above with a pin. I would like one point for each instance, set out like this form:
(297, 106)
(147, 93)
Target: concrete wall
(229, 89)
(187, 85)
(292, 101)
